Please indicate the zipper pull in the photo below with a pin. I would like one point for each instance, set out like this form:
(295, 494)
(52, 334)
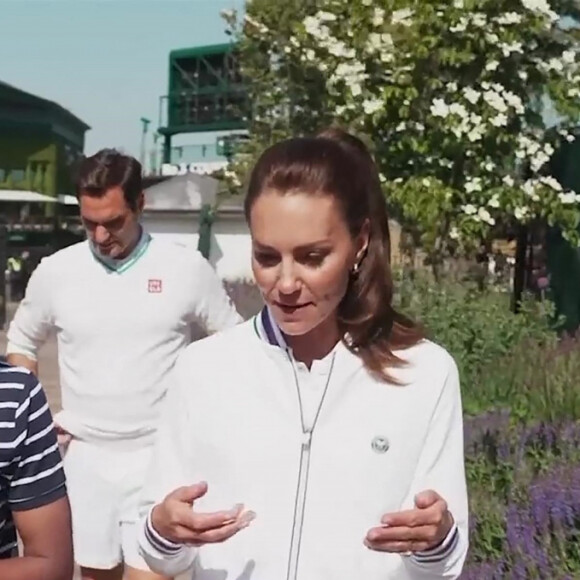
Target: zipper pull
(306, 438)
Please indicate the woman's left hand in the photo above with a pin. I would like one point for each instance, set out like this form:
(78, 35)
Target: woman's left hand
(415, 530)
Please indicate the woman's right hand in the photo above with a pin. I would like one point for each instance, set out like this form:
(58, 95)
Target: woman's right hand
(176, 521)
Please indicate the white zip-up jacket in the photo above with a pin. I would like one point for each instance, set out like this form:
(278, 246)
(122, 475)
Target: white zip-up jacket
(319, 476)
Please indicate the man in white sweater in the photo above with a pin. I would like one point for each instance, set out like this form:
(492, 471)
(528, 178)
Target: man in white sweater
(123, 305)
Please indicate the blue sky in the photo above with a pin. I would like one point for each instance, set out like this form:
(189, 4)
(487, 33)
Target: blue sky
(105, 60)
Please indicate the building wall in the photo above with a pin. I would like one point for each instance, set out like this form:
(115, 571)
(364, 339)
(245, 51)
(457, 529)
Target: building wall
(28, 162)
(36, 163)
(230, 249)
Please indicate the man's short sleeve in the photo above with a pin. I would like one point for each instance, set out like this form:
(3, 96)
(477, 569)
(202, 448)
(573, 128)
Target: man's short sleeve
(38, 477)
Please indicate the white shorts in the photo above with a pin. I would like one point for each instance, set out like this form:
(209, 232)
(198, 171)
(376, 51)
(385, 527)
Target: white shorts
(104, 487)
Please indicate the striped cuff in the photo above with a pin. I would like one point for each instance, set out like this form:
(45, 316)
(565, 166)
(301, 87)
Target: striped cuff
(441, 551)
(162, 545)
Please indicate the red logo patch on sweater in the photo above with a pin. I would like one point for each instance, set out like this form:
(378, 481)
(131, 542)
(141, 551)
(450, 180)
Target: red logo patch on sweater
(155, 286)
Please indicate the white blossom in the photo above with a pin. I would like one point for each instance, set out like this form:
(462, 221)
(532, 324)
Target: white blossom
(500, 120)
(258, 25)
(514, 101)
(471, 95)
(439, 108)
(378, 17)
(458, 109)
(539, 160)
(476, 134)
(478, 19)
(494, 201)
(312, 26)
(509, 18)
(461, 26)
(233, 177)
(473, 184)
(402, 16)
(326, 16)
(529, 188)
(568, 197)
(454, 233)
(377, 42)
(541, 7)
(551, 182)
(339, 49)
(508, 49)
(371, 106)
(491, 65)
(569, 57)
(469, 209)
(495, 100)
(520, 213)
(349, 72)
(485, 216)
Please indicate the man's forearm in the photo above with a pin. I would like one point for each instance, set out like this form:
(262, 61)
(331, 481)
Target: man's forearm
(19, 360)
(34, 568)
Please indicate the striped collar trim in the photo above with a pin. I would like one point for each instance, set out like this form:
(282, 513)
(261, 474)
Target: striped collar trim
(267, 329)
(120, 266)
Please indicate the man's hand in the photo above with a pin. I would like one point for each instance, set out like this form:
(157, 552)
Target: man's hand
(175, 520)
(63, 438)
(414, 530)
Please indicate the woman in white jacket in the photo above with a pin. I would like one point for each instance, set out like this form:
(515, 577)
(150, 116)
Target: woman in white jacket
(328, 422)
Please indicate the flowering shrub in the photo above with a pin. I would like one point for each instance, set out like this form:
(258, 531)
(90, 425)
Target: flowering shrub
(525, 499)
(450, 92)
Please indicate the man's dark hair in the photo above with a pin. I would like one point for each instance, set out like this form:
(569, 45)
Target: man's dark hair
(106, 169)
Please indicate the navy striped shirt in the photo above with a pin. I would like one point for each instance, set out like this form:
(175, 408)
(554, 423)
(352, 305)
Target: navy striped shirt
(31, 473)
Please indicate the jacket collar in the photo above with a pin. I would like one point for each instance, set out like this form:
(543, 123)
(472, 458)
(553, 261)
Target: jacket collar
(268, 330)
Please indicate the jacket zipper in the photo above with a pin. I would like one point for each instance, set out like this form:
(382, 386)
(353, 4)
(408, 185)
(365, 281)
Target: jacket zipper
(301, 489)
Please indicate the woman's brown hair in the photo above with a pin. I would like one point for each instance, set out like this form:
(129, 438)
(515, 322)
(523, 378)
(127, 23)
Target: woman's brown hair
(338, 164)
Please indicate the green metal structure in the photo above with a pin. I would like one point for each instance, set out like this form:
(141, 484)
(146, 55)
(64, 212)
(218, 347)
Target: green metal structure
(39, 142)
(563, 260)
(205, 94)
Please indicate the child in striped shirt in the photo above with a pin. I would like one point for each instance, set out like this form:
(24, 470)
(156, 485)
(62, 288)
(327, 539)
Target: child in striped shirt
(33, 497)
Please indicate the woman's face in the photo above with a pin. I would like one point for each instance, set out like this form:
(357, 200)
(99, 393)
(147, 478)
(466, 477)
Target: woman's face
(302, 255)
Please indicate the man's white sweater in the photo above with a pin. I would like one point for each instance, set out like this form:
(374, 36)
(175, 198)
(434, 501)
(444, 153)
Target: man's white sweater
(119, 332)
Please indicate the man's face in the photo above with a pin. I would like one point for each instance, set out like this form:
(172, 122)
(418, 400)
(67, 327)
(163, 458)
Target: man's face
(110, 223)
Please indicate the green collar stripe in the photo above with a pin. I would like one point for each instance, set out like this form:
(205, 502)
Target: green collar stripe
(131, 261)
